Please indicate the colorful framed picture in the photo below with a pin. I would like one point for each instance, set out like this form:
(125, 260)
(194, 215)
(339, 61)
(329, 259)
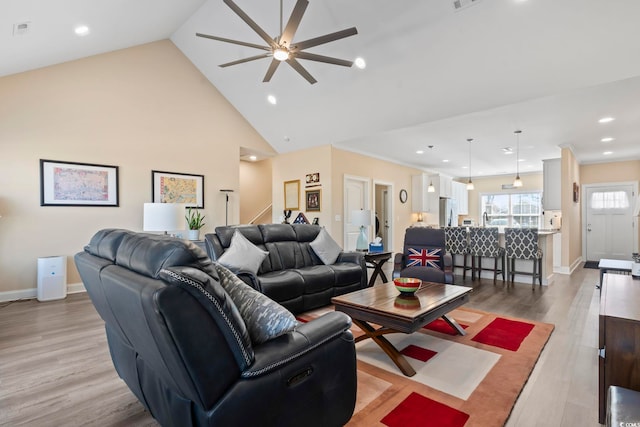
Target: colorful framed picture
(313, 200)
(173, 187)
(292, 195)
(78, 184)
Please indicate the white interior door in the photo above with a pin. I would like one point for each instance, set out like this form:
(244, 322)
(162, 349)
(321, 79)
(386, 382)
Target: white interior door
(609, 229)
(356, 197)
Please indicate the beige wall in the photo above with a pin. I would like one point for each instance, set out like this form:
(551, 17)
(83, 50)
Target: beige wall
(610, 172)
(348, 163)
(571, 212)
(295, 166)
(493, 184)
(255, 188)
(144, 108)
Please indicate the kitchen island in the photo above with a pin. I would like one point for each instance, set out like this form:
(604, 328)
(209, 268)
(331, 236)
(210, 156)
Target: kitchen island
(545, 242)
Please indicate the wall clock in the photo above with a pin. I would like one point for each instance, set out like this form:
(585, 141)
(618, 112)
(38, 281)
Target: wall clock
(403, 196)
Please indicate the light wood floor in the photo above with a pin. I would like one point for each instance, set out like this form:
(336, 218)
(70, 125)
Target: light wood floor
(55, 368)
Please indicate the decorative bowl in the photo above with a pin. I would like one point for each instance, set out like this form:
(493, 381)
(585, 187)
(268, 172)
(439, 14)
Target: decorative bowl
(407, 285)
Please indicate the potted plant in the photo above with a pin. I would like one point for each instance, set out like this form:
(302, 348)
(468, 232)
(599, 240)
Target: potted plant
(195, 222)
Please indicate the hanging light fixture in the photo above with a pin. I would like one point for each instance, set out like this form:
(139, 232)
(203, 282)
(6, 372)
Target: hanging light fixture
(517, 182)
(470, 185)
(431, 188)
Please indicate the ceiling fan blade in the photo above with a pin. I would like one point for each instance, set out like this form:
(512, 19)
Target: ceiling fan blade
(300, 69)
(250, 22)
(240, 61)
(325, 39)
(222, 39)
(322, 58)
(272, 69)
(294, 20)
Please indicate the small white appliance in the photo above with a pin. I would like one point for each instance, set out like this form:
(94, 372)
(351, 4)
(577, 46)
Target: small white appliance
(468, 222)
(52, 278)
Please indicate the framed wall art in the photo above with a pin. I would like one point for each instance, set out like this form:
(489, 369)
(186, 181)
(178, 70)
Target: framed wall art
(174, 187)
(312, 198)
(78, 184)
(292, 195)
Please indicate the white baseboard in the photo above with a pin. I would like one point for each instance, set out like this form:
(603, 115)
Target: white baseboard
(72, 288)
(570, 269)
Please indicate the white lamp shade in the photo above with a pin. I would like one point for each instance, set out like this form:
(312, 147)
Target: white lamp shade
(361, 218)
(164, 216)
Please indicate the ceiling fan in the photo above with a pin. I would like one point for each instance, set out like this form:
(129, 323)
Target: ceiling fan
(282, 47)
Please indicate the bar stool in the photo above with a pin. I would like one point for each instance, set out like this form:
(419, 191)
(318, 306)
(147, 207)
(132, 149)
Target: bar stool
(522, 243)
(456, 241)
(484, 244)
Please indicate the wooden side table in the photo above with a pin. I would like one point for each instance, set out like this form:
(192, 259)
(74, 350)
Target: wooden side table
(619, 337)
(376, 260)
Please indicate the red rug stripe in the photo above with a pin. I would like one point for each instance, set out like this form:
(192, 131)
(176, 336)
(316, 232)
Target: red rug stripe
(443, 327)
(418, 353)
(419, 411)
(504, 333)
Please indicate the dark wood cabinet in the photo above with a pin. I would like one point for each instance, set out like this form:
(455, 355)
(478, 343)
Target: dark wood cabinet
(619, 337)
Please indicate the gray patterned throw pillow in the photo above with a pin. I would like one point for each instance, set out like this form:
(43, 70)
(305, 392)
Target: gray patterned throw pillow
(265, 318)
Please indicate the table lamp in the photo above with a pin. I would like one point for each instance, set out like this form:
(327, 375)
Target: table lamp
(362, 219)
(163, 217)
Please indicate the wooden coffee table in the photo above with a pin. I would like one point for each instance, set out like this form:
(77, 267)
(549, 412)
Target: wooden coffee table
(383, 305)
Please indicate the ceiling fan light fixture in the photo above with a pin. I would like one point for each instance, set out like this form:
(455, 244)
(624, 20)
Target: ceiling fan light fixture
(281, 54)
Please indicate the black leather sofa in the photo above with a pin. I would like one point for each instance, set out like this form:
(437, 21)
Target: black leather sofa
(183, 349)
(292, 274)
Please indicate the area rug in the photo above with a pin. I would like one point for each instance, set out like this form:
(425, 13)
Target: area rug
(471, 380)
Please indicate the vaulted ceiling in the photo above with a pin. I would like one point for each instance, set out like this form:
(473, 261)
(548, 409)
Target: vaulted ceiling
(435, 76)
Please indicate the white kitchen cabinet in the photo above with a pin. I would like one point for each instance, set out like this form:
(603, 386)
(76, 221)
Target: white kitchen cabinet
(442, 183)
(419, 196)
(460, 194)
(552, 180)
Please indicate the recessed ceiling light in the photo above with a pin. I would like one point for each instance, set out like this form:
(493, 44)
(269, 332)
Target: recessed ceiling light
(445, 161)
(253, 158)
(81, 30)
(420, 152)
(606, 120)
(272, 100)
(465, 167)
(607, 139)
(360, 63)
(606, 153)
(507, 150)
(521, 160)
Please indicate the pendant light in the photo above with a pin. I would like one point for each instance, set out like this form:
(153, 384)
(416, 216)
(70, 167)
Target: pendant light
(431, 188)
(470, 185)
(517, 182)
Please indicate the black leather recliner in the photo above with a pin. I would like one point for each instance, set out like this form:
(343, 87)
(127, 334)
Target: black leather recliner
(184, 351)
(292, 274)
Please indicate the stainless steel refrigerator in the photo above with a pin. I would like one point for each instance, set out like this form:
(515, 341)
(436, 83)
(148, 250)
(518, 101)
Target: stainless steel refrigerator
(448, 212)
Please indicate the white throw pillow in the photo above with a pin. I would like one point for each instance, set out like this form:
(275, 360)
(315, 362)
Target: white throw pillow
(325, 247)
(242, 255)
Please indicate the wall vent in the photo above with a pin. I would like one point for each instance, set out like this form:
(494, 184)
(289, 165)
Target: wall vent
(463, 4)
(21, 28)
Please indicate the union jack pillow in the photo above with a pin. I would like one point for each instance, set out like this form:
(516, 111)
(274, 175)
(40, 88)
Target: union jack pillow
(423, 258)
